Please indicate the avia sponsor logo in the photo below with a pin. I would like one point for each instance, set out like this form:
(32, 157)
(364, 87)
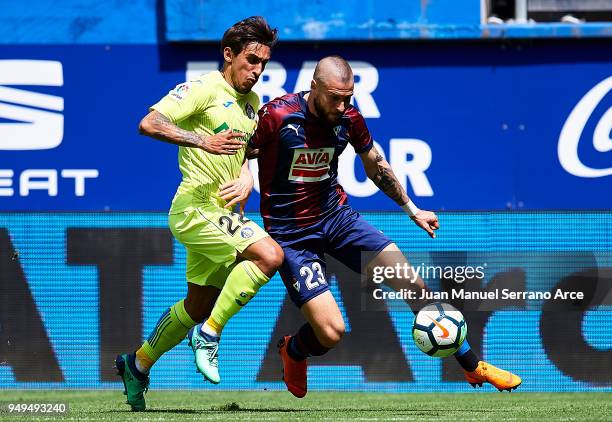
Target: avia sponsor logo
(36, 121)
(569, 139)
(410, 159)
(310, 164)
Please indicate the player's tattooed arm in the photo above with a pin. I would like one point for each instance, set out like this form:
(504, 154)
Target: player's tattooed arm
(160, 127)
(381, 173)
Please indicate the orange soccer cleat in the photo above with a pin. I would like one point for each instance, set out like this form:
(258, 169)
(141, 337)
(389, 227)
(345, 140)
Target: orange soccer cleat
(294, 371)
(485, 372)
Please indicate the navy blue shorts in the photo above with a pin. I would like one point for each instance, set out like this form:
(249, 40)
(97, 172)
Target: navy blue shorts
(343, 234)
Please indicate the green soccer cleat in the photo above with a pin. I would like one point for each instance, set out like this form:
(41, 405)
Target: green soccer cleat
(206, 350)
(133, 382)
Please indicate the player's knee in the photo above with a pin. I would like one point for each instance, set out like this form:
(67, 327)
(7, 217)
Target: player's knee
(271, 258)
(332, 333)
(277, 256)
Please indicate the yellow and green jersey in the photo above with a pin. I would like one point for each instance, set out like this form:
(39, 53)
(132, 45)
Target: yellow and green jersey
(206, 106)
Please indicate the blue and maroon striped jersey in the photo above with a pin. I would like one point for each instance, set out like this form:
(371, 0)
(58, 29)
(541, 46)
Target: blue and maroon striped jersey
(298, 161)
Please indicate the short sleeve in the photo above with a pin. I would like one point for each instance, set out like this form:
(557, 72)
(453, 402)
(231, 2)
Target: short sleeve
(183, 101)
(359, 134)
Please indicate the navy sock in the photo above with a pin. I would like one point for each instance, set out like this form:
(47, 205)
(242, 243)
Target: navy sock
(305, 343)
(466, 357)
(294, 350)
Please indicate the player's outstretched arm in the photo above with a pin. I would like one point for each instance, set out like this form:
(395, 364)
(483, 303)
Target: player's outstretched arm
(158, 126)
(381, 173)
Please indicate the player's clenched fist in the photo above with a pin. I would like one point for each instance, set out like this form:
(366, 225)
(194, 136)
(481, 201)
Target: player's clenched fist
(427, 220)
(226, 142)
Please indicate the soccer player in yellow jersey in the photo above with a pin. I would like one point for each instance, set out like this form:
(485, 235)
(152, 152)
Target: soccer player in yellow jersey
(228, 256)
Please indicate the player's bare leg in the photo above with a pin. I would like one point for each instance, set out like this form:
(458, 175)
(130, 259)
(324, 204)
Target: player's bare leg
(200, 301)
(389, 257)
(323, 314)
(322, 332)
(476, 371)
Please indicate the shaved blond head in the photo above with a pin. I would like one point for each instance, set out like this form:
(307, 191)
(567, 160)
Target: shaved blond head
(333, 68)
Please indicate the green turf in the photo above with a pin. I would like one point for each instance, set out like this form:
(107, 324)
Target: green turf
(242, 405)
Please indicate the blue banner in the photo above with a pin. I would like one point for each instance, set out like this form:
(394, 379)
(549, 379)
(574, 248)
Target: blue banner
(82, 287)
(465, 126)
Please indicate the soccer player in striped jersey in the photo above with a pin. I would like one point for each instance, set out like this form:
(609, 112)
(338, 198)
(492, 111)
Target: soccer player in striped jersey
(298, 141)
(229, 257)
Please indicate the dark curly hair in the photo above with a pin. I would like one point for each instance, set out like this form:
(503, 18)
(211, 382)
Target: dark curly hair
(253, 29)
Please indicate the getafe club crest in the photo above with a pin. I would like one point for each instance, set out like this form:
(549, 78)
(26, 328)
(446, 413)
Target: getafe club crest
(337, 130)
(246, 232)
(250, 112)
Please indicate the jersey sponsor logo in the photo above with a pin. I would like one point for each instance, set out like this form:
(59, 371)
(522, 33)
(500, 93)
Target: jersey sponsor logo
(310, 164)
(223, 126)
(569, 139)
(35, 119)
(180, 91)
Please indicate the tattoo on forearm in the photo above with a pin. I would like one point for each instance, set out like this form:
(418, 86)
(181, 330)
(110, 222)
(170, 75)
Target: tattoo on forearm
(386, 181)
(165, 130)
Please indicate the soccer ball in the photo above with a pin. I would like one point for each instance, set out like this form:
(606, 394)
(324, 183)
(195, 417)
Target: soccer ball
(439, 329)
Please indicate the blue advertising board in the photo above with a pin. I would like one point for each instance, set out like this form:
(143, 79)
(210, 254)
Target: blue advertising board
(468, 126)
(82, 287)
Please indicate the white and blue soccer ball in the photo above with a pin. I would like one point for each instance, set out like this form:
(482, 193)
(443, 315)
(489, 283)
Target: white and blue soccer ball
(439, 329)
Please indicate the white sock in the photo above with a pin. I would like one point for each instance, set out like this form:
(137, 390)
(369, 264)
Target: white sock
(207, 329)
(141, 368)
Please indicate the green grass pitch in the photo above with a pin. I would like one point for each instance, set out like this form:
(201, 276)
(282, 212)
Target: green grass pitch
(275, 405)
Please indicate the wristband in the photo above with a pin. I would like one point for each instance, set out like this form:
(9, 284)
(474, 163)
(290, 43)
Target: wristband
(410, 209)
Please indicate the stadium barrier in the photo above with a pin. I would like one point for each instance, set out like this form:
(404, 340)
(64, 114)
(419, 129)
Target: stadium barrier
(78, 288)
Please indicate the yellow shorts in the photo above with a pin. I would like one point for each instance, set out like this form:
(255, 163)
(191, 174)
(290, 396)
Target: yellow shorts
(212, 236)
